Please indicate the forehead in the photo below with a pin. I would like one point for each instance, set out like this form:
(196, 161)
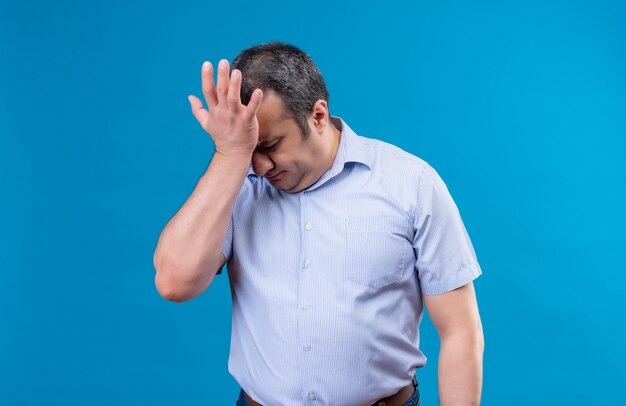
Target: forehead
(274, 119)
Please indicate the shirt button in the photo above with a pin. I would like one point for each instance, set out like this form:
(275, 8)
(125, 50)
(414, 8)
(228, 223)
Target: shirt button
(305, 306)
(306, 193)
(308, 227)
(307, 263)
(311, 396)
(307, 347)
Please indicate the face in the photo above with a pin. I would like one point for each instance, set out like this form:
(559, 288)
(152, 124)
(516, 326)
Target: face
(290, 161)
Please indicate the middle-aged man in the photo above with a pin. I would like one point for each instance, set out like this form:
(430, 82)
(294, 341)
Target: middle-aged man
(332, 240)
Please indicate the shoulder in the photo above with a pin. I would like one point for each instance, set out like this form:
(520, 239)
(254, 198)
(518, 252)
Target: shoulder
(391, 153)
(398, 173)
(395, 162)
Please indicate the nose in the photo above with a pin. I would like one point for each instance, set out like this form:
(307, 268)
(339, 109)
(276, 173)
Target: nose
(261, 163)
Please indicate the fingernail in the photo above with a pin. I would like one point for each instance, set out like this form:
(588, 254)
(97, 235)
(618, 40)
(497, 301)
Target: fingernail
(205, 65)
(235, 73)
(223, 63)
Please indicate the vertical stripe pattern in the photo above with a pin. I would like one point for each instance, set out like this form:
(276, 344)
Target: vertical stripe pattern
(327, 283)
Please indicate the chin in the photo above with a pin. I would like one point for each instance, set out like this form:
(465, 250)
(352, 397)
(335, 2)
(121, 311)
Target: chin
(298, 187)
(291, 188)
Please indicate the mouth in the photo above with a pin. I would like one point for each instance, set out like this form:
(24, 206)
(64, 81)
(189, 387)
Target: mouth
(275, 177)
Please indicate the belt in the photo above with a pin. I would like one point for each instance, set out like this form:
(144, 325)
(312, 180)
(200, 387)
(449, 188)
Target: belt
(396, 399)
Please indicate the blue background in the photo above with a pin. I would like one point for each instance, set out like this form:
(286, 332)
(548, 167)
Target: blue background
(520, 106)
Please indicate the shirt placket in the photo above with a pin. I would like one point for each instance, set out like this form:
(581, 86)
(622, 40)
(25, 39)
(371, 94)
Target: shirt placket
(306, 298)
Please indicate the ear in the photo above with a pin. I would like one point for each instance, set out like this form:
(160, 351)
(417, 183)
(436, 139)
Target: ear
(320, 115)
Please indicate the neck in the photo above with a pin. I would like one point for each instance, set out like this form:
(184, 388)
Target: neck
(335, 134)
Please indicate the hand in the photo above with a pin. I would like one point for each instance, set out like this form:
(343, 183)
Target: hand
(233, 127)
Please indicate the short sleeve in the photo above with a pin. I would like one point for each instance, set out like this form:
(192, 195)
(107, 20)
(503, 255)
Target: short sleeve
(445, 257)
(227, 247)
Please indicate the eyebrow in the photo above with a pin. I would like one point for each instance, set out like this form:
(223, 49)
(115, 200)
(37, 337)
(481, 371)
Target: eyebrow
(265, 143)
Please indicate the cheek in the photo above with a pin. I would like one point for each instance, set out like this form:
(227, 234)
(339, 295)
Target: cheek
(284, 161)
(278, 159)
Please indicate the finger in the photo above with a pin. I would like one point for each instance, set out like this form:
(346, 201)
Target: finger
(208, 85)
(222, 81)
(234, 90)
(198, 110)
(253, 105)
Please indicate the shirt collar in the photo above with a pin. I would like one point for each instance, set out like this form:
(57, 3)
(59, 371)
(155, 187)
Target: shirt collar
(352, 148)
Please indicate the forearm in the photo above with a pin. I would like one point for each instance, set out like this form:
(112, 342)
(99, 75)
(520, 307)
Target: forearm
(188, 253)
(460, 368)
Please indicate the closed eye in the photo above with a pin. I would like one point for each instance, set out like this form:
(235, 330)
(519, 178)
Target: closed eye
(270, 148)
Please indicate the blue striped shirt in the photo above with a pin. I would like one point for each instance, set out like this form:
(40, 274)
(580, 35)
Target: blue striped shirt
(327, 283)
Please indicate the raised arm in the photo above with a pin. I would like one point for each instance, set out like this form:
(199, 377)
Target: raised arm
(188, 253)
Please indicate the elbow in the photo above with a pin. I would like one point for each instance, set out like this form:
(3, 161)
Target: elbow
(475, 338)
(472, 339)
(168, 290)
(479, 345)
(480, 336)
(476, 341)
(168, 287)
(179, 280)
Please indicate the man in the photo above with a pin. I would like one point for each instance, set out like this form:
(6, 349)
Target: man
(332, 240)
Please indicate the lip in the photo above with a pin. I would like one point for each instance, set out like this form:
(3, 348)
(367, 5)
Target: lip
(275, 177)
